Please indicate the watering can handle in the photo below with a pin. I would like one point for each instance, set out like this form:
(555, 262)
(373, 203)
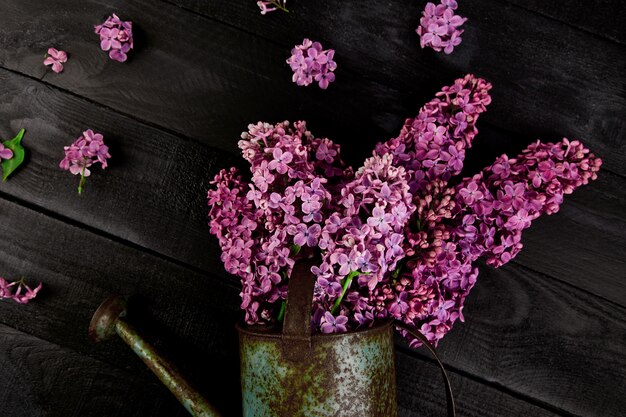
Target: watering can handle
(449, 396)
(297, 321)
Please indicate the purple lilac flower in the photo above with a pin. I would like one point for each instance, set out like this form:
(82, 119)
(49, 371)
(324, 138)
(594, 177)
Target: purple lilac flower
(55, 59)
(18, 291)
(309, 62)
(432, 145)
(87, 150)
(517, 191)
(395, 240)
(116, 37)
(331, 324)
(279, 212)
(439, 26)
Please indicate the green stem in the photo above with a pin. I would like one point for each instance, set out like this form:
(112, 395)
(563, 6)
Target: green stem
(346, 285)
(281, 312)
(279, 6)
(82, 178)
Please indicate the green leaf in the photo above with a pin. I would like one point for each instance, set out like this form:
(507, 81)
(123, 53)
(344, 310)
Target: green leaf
(295, 249)
(10, 165)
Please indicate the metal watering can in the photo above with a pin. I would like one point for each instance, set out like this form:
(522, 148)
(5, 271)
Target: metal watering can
(289, 373)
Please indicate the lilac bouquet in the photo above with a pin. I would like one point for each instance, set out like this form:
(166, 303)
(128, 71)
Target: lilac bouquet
(395, 240)
(116, 37)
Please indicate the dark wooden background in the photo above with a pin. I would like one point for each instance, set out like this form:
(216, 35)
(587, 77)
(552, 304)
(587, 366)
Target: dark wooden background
(544, 336)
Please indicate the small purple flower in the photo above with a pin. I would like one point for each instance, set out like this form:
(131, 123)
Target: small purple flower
(280, 161)
(56, 59)
(307, 235)
(309, 62)
(116, 37)
(471, 193)
(331, 324)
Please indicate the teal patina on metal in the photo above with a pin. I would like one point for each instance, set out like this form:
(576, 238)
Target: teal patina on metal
(288, 372)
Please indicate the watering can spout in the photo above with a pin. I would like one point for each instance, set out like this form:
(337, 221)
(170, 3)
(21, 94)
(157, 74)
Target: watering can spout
(108, 320)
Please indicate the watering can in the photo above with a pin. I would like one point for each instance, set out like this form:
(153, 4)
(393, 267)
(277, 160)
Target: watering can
(289, 372)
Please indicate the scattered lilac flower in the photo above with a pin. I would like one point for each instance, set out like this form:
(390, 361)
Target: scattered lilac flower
(270, 6)
(56, 59)
(116, 37)
(5, 153)
(18, 291)
(87, 150)
(309, 62)
(439, 26)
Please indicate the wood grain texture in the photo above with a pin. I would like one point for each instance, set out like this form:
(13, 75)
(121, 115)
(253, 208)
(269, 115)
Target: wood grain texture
(420, 393)
(43, 379)
(556, 81)
(601, 17)
(523, 331)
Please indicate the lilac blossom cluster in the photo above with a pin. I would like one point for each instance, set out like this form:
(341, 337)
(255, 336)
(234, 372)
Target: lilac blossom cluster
(394, 239)
(18, 291)
(116, 37)
(262, 224)
(432, 145)
(439, 26)
(310, 62)
(497, 204)
(87, 150)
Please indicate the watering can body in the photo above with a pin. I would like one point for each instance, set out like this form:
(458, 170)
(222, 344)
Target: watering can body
(289, 372)
(339, 375)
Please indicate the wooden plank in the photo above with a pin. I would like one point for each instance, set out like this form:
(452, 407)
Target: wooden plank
(421, 393)
(584, 244)
(153, 194)
(601, 17)
(43, 379)
(540, 338)
(213, 78)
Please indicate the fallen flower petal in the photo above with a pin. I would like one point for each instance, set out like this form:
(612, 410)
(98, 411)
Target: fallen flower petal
(55, 58)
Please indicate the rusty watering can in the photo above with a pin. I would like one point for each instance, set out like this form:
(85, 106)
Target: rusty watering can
(290, 373)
